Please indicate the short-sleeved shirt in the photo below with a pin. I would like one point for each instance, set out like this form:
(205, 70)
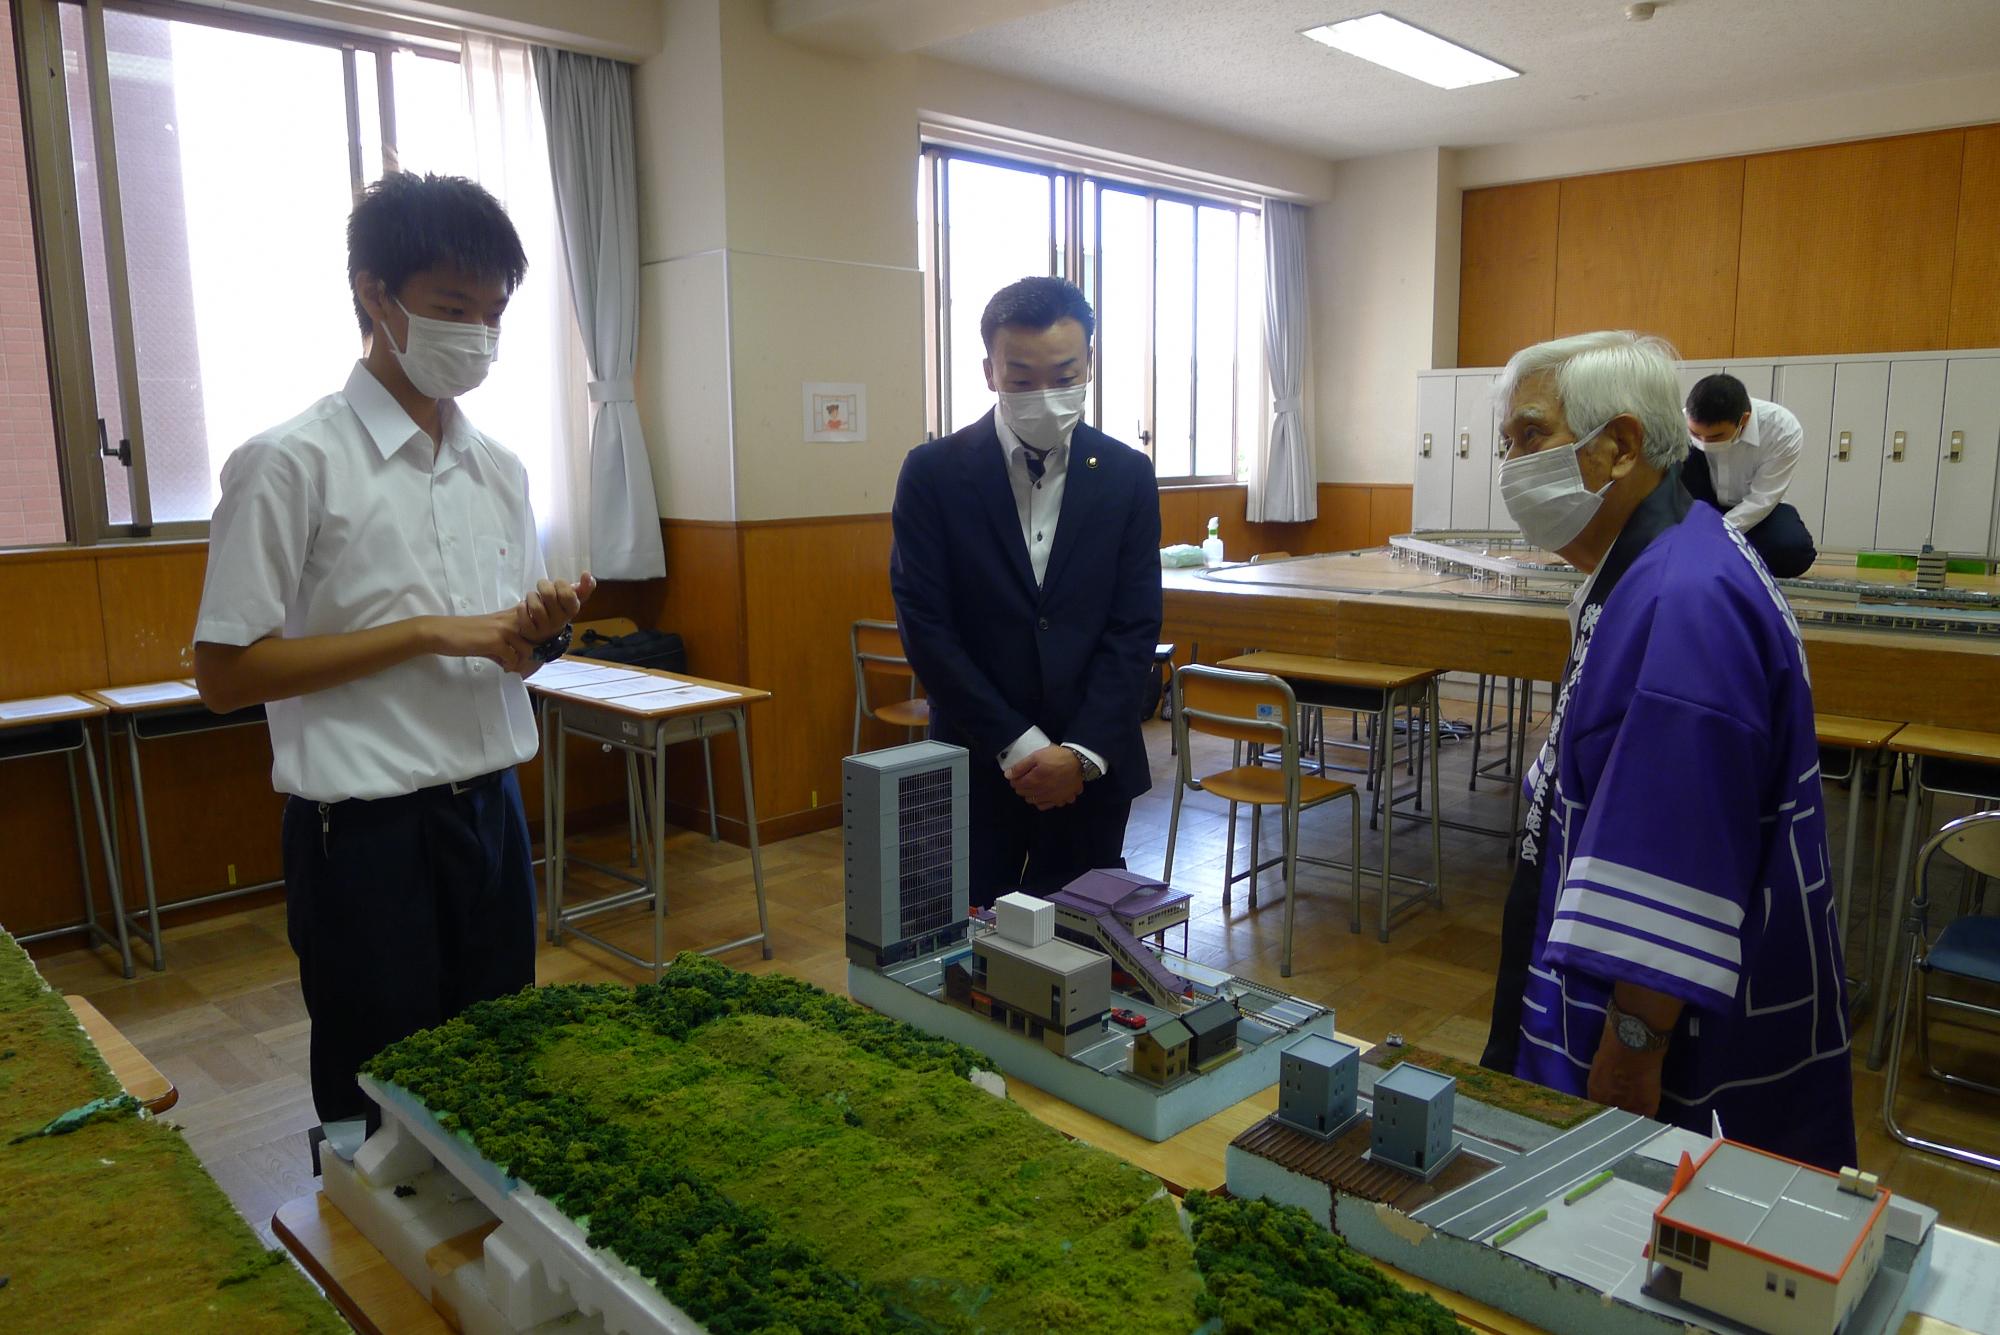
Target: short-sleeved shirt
(348, 517)
(1684, 850)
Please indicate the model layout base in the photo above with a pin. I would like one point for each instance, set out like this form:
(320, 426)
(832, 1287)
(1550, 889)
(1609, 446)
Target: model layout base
(1097, 1073)
(1618, 1226)
(726, 1153)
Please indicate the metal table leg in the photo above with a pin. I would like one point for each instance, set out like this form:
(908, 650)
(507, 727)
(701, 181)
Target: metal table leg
(1385, 798)
(657, 818)
(1878, 1043)
(1436, 757)
(145, 844)
(91, 930)
(750, 824)
(551, 738)
(110, 857)
(1855, 783)
(708, 772)
(559, 846)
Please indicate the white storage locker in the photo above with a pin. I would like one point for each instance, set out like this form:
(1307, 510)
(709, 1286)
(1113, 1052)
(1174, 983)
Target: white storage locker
(1472, 452)
(1854, 468)
(1807, 390)
(1970, 450)
(1756, 377)
(1690, 372)
(1430, 500)
(1910, 454)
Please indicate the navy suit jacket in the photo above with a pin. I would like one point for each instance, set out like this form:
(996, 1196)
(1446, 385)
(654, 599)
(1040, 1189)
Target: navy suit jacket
(997, 655)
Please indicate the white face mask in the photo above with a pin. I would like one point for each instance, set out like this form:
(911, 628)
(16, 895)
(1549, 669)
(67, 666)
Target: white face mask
(1044, 418)
(1545, 495)
(444, 358)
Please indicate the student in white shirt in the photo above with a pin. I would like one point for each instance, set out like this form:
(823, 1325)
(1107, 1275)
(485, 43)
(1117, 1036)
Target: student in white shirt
(375, 580)
(1744, 452)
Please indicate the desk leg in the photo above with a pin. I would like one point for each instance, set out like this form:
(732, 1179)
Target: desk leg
(708, 772)
(145, 845)
(657, 818)
(1436, 757)
(1856, 781)
(558, 863)
(1878, 1044)
(91, 930)
(548, 821)
(1385, 796)
(750, 825)
(1885, 777)
(110, 857)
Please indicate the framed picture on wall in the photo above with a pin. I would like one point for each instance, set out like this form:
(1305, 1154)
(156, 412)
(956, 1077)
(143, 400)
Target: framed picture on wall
(836, 412)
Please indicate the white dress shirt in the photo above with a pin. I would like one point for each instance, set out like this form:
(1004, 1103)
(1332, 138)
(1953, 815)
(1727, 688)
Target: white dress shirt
(1752, 471)
(348, 517)
(1039, 503)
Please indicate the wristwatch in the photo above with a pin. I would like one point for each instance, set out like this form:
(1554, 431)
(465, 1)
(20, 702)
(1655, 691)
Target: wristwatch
(1634, 1032)
(554, 647)
(1090, 769)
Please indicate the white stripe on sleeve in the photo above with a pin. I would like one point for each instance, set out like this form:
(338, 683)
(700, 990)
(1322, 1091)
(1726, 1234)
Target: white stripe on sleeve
(1661, 889)
(1696, 936)
(1647, 954)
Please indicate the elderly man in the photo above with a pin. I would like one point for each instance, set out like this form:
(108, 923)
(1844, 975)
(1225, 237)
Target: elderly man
(1669, 944)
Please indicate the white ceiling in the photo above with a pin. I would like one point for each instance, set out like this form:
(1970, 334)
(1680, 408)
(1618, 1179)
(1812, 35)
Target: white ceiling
(1242, 65)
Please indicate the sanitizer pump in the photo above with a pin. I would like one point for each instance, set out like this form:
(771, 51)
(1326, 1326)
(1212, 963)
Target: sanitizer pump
(1211, 547)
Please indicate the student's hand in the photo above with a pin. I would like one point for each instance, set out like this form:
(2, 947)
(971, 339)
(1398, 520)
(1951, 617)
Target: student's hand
(551, 605)
(493, 637)
(1622, 1077)
(1049, 778)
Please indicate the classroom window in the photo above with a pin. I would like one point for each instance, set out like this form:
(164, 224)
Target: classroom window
(1176, 282)
(31, 503)
(200, 168)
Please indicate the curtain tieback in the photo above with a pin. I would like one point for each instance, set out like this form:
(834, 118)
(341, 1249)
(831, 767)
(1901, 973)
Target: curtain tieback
(611, 391)
(1287, 405)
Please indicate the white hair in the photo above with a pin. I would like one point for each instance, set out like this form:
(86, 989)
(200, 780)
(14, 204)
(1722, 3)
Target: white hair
(1598, 376)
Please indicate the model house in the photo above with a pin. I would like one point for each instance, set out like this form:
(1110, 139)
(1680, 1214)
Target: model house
(1412, 1125)
(1213, 1024)
(1776, 1245)
(1160, 1053)
(905, 851)
(1317, 1082)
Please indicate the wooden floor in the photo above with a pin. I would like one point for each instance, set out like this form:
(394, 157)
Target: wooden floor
(226, 1022)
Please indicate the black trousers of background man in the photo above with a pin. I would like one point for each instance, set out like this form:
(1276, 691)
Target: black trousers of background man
(403, 912)
(1016, 847)
(1780, 538)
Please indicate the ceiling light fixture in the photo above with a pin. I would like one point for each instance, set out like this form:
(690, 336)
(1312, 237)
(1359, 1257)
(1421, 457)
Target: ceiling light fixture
(1396, 45)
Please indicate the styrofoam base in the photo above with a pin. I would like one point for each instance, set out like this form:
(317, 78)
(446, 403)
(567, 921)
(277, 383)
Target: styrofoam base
(1140, 1108)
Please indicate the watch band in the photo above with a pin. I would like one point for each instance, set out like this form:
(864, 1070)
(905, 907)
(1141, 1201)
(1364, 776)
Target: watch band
(554, 647)
(1634, 1032)
(1090, 769)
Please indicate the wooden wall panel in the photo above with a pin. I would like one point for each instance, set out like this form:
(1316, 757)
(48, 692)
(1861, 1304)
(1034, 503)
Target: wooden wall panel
(1388, 514)
(61, 644)
(151, 597)
(1507, 270)
(1975, 280)
(1655, 251)
(1848, 248)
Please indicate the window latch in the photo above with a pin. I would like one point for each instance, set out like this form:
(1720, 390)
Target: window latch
(123, 454)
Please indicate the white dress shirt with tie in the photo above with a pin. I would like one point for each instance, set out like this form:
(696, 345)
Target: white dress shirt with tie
(1751, 472)
(348, 517)
(1039, 503)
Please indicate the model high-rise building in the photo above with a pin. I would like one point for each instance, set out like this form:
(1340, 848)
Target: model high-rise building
(904, 812)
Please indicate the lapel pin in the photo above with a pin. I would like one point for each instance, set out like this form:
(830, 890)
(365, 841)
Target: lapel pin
(1091, 462)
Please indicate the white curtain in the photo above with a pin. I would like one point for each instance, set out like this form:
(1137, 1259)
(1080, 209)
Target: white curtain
(587, 102)
(1283, 478)
(534, 402)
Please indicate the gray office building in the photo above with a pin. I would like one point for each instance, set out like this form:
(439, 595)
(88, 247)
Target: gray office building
(904, 815)
(1318, 1079)
(1413, 1112)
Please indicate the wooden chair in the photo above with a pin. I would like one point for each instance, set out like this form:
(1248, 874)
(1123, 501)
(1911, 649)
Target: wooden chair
(878, 648)
(1260, 710)
(1967, 950)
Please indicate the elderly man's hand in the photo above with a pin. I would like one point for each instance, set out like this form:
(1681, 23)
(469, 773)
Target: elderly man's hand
(1049, 778)
(1622, 1077)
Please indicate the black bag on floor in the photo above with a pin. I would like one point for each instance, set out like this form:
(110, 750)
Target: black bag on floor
(660, 649)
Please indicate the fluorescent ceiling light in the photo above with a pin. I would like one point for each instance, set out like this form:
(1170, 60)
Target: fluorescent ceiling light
(1396, 45)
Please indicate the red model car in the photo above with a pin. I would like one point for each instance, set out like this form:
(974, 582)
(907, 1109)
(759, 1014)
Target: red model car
(1130, 1019)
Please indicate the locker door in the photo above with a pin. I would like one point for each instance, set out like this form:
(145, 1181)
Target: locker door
(1496, 509)
(1430, 501)
(1756, 377)
(1963, 521)
(1807, 389)
(1690, 372)
(1910, 454)
(1854, 466)
(1472, 452)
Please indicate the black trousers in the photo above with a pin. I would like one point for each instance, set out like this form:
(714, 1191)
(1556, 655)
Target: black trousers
(403, 912)
(1780, 538)
(1016, 847)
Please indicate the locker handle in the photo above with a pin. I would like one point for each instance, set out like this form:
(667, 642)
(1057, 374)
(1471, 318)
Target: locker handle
(1427, 445)
(1957, 446)
(1846, 446)
(1896, 444)
(1465, 444)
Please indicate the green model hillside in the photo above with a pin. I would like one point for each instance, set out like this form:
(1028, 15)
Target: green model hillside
(778, 1159)
(115, 1226)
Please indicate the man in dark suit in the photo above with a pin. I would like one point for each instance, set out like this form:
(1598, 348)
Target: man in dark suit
(1026, 571)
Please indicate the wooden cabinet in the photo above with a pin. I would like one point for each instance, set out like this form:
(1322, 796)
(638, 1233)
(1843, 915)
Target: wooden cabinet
(1430, 501)
(1854, 471)
(1910, 454)
(1806, 388)
(1506, 270)
(1963, 518)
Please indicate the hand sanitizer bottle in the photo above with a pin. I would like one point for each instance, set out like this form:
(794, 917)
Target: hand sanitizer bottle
(1211, 547)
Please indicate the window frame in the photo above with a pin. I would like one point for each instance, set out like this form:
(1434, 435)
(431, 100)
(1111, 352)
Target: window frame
(81, 442)
(1083, 265)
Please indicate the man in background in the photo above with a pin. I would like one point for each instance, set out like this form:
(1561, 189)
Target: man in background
(1744, 452)
(1026, 572)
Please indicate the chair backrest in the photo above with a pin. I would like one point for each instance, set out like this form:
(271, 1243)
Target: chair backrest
(1252, 707)
(1270, 556)
(1973, 840)
(878, 646)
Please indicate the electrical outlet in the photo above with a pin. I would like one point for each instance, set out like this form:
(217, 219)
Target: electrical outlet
(232, 874)
(815, 798)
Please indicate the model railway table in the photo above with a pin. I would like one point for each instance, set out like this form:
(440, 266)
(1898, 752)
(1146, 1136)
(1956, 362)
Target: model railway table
(1372, 605)
(641, 712)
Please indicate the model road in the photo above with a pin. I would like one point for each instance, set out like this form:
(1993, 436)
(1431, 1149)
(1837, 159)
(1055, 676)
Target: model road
(1535, 1178)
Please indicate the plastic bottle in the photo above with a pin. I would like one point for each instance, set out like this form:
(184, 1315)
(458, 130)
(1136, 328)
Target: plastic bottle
(1211, 547)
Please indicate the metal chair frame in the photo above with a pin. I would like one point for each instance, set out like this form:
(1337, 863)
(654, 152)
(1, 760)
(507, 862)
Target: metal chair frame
(899, 664)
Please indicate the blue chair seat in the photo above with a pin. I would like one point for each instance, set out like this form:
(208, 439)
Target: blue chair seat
(1968, 948)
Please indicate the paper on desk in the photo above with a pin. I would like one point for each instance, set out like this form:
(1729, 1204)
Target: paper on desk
(589, 677)
(157, 693)
(634, 683)
(13, 711)
(1963, 1286)
(674, 697)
